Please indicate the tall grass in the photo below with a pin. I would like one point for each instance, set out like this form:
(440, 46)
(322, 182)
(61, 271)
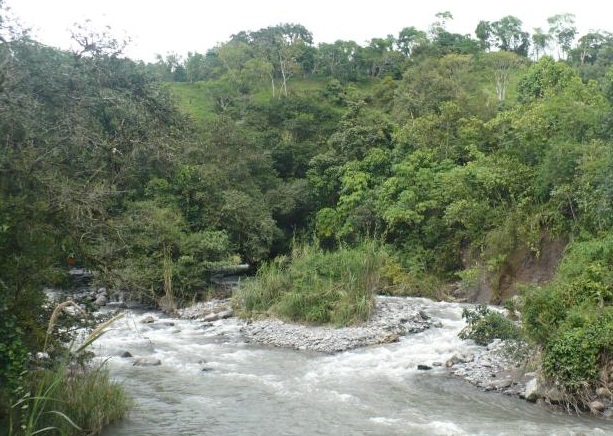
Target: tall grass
(68, 397)
(316, 286)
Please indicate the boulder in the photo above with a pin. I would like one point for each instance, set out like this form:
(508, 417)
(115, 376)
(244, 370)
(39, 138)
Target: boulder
(225, 314)
(146, 361)
(148, 320)
(597, 407)
(424, 367)
(532, 393)
(501, 384)
(125, 354)
(211, 317)
(101, 300)
(553, 395)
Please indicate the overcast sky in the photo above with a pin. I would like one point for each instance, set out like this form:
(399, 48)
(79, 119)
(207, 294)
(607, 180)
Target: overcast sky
(179, 26)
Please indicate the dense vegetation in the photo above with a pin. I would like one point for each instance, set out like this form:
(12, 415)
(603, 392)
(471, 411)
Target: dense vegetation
(464, 160)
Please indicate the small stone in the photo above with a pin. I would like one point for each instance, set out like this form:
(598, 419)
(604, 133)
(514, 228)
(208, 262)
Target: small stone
(424, 367)
(603, 393)
(125, 354)
(148, 320)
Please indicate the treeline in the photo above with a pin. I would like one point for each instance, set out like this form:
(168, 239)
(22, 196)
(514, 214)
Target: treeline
(277, 53)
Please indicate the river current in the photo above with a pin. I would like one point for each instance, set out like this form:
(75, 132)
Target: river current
(212, 382)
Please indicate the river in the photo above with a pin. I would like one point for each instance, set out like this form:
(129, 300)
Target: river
(212, 382)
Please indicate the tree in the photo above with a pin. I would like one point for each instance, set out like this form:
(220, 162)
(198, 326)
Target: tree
(510, 36)
(502, 64)
(563, 31)
(588, 47)
(540, 42)
(287, 47)
(485, 35)
(408, 39)
(93, 40)
(195, 67)
(339, 60)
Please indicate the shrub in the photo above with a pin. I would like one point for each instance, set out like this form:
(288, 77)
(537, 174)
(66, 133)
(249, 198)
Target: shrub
(574, 356)
(484, 325)
(543, 311)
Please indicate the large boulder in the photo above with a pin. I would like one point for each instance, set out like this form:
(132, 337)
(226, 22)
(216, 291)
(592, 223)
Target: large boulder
(532, 392)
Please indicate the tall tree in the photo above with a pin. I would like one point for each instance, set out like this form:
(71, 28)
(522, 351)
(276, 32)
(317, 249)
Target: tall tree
(563, 31)
(511, 37)
(540, 43)
(408, 39)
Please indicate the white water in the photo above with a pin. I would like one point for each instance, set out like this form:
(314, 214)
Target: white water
(252, 390)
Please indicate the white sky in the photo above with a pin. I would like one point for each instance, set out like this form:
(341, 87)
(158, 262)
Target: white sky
(179, 26)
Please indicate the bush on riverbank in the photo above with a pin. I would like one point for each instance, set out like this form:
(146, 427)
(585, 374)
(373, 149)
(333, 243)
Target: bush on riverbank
(316, 286)
(484, 325)
(571, 319)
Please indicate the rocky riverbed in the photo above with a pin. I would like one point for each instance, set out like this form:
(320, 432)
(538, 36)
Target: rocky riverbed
(393, 318)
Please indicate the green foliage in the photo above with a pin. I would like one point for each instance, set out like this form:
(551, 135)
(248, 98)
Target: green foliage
(484, 325)
(576, 354)
(317, 287)
(571, 318)
(13, 354)
(544, 77)
(542, 314)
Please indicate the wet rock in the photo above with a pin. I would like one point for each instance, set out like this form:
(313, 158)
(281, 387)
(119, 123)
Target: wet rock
(101, 300)
(225, 314)
(148, 320)
(211, 317)
(146, 361)
(459, 358)
(501, 384)
(597, 407)
(125, 354)
(424, 367)
(531, 392)
(553, 395)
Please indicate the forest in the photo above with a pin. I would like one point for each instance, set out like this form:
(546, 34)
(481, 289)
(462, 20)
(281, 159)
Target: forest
(474, 168)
